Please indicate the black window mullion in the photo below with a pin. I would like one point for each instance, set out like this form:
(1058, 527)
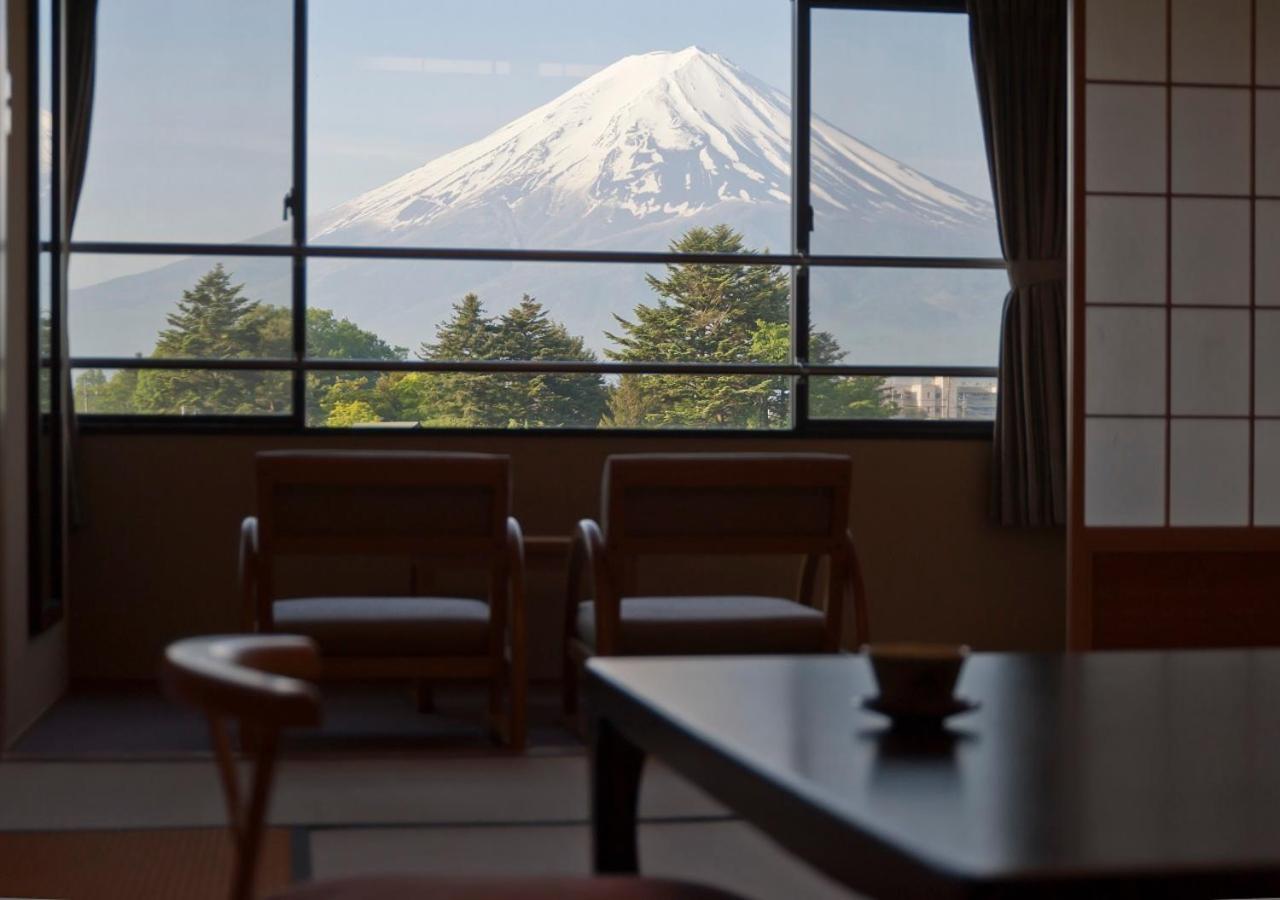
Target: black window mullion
(298, 207)
(801, 209)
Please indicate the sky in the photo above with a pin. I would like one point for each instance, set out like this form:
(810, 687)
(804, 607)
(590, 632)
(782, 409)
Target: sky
(192, 128)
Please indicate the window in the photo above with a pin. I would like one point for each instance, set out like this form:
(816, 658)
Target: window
(551, 215)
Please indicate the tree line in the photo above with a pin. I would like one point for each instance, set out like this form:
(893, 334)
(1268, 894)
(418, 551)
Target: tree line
(700, 313)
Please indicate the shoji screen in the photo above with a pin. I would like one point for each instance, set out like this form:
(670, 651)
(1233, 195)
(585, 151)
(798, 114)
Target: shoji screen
(1176, 322)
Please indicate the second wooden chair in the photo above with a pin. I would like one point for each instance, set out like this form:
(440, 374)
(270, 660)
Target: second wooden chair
(412, 506)
(674, 504)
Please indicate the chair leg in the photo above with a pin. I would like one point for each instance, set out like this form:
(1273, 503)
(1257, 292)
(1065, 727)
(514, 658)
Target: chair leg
(517, 712)
(249, 738)
(424, 696)
(497, 721)
(569, 686)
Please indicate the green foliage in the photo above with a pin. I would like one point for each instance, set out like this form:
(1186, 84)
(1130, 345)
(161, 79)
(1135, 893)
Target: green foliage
(501, 400)
(717, 314)
(705, 314)
(215, 320)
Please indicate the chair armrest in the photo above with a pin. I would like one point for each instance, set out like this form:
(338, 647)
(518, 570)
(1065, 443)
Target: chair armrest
(588, 553)
(247, 570)
(856, 591)
(515, 573)
(519, 675)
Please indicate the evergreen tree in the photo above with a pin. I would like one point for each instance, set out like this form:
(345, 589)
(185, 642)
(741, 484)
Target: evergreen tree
(214, 320)
(716, 314)
(526, 332)
(95, 393)
(501, 400)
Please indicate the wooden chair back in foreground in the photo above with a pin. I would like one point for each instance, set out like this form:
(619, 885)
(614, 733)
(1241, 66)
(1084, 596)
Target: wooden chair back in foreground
(744, 503)
(412, 505)
(265, 681)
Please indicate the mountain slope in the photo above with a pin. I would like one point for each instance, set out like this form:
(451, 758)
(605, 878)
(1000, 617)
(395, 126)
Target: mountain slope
(629, 158)
(654, 136)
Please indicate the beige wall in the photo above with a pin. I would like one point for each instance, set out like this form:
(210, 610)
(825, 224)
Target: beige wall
(157, 557)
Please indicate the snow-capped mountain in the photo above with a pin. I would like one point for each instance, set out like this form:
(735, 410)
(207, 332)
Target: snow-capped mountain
(658, 136)
(629, 158)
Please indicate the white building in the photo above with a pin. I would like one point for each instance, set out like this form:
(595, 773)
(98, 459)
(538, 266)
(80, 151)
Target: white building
(944, 397)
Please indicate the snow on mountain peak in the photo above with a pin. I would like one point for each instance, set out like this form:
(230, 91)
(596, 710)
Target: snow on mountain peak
(660, 134)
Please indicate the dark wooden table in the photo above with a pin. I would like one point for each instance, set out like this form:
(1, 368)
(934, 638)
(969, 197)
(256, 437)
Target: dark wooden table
(1098, 775)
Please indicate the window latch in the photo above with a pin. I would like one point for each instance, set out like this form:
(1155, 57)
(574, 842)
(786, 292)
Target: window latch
(288, 206)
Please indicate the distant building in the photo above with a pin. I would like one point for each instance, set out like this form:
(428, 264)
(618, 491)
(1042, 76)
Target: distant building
(944, 397)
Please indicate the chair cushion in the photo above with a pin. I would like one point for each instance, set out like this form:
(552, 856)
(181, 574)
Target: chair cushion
(388, 626)
(714, 624)
(547, 888)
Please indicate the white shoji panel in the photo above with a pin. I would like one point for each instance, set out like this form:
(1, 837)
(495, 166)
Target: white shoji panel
(1210, 251)
(1125, 41)
(1266, 361)
(1267, 259)
(1211, 132)
(1266, 472)
(1125, 138)
(1268, 147)
(1125, 369)
(1124, 472)
(1210, 362)
(1125, 247)
(1268, 42)
(1209, 472)
(1211, 40)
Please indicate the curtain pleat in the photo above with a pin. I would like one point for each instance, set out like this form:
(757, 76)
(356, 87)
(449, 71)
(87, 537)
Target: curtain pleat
(80, 48)
(1020, 64)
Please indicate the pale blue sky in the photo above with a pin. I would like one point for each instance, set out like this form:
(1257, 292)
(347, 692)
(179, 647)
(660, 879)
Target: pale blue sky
(192, 130)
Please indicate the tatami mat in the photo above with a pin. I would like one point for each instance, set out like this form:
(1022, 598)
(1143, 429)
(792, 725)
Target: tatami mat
(49, 796)
(384, 790)
(190, 864)
(134, 720)
(727, 854)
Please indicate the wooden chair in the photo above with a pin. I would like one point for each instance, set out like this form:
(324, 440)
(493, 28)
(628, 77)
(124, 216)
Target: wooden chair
(676, 504)
(265, 680)
(407, 505)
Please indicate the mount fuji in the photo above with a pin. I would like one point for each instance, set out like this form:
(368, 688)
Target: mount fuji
(628, 159)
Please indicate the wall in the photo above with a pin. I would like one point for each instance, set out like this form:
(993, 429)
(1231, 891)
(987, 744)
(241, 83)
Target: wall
(157, 557)
(1176, 410)
(34, 670)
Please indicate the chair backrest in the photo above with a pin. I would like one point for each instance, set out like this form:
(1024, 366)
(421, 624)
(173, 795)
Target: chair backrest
(264, 682)
(676, 503)
(382, 503)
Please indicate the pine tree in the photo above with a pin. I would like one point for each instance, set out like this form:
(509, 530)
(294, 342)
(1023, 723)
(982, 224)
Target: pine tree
(502, 400)
(526, 332)
(717, 314)
(214, 320)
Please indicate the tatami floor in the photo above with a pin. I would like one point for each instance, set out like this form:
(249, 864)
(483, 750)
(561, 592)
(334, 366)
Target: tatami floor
(401, 796)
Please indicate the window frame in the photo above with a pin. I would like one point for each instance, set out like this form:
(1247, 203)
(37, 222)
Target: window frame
(799, 261)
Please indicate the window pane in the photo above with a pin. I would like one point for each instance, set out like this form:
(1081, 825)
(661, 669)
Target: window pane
(938, 397)
(912, 317)
(546, 400)
(44, 336)
(201, 307)
(557, 124)
(397, 309)
(192, 122)
(181, 392)
(44, 123)
(899, 165)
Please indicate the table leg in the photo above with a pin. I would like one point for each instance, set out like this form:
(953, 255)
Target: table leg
(616, 764)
